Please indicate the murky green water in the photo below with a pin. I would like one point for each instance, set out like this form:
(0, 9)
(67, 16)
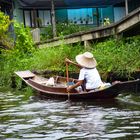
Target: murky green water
(24, 117)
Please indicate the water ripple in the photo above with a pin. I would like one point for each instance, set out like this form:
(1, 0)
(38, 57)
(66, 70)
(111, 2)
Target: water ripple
(25, 118)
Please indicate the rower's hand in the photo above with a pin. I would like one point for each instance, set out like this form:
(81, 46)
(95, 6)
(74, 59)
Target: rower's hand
(69, 88)
(68, 61)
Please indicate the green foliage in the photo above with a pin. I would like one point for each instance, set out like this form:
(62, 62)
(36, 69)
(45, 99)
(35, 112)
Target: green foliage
(4, 27)
(62, 29)
(4, 23)
(53, 58)
(118, 56)
(16, 58)
(24, 42)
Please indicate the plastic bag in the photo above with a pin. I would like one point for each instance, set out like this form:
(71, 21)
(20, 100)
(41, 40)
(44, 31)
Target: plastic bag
(50, 82)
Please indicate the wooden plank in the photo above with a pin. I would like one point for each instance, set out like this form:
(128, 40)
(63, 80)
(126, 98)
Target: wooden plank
(25, 74)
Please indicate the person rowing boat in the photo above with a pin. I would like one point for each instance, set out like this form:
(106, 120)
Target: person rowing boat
(89, 75)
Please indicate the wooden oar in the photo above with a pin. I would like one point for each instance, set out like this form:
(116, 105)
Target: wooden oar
(67, 72)
(67, 76)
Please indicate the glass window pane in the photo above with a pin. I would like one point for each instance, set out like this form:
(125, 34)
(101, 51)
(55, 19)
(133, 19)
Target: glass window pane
(34, 18)
(44, 17)
(27, 18)
(47, 18)
(80, 16)
(41, 17)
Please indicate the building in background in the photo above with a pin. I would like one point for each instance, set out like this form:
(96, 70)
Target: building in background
(36, 13)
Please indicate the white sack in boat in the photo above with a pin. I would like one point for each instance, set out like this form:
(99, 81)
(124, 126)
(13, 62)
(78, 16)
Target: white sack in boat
(50, 82)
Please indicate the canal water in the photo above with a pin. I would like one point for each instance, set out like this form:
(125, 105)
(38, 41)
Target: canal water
(24, 116)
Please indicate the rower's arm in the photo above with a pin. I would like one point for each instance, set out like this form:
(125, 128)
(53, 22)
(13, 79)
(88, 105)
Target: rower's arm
(71, 62)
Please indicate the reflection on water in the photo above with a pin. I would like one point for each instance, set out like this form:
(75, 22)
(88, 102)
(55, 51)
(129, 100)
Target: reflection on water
(24, 117)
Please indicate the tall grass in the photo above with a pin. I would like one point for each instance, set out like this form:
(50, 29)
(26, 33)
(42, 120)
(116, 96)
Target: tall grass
(118, 56)
(54, 57)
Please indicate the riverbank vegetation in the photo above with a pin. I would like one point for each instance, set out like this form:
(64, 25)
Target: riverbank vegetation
(120, 56)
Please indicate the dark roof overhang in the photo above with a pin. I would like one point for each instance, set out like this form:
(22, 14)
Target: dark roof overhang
(9, 2)
(46, 4)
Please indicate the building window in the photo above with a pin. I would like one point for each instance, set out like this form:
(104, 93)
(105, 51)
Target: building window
(37, 18)
(44, 18)
(27, 18)
(80, 16)
(30, 18)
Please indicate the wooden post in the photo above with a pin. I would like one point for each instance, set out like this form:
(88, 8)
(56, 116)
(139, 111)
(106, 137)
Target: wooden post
(126, 7)
(98, 22)
(87, 44)
(53, 18)
(36, 35)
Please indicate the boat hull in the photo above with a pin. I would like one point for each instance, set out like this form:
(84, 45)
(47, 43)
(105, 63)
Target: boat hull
(61, 93)
(59, 90)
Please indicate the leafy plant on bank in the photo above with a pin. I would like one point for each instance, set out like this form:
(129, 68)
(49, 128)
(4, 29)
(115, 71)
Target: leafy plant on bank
(5, 22)
(23, 41)
(118, 56)
(53, 58)
(17, 58)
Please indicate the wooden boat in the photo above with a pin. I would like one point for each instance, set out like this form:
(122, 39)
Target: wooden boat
(59, 89)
